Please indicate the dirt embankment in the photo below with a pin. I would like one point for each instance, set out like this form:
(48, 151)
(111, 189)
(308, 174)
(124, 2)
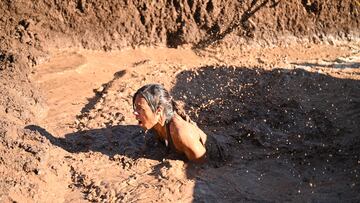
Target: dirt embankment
(31, 30)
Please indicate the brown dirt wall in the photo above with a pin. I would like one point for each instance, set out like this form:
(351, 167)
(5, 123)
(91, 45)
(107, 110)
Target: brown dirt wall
(29, 30)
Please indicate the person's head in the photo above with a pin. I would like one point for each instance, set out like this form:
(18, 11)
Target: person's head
(152, 104)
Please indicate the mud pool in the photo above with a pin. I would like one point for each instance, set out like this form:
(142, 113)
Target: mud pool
(291, 124)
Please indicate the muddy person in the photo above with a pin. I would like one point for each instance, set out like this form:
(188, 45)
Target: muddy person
(155, 109)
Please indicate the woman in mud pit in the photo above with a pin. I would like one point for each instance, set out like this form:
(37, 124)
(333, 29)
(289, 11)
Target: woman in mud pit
(155, 109)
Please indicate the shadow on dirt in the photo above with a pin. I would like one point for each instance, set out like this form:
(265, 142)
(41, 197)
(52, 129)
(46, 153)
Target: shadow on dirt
(98, 93)
(239, 21)
(126, 140)
(297, 127)
(280, 103)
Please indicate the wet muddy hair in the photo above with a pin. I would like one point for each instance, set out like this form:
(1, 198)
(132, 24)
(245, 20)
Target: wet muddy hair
(157, 96)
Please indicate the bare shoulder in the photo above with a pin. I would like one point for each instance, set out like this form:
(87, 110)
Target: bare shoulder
(186, 131)
(180, 126)
(188, 138)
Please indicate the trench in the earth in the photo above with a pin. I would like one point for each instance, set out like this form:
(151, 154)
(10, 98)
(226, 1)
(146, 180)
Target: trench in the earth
(90, 119)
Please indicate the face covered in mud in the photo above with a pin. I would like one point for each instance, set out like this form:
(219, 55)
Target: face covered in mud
(147, 119)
